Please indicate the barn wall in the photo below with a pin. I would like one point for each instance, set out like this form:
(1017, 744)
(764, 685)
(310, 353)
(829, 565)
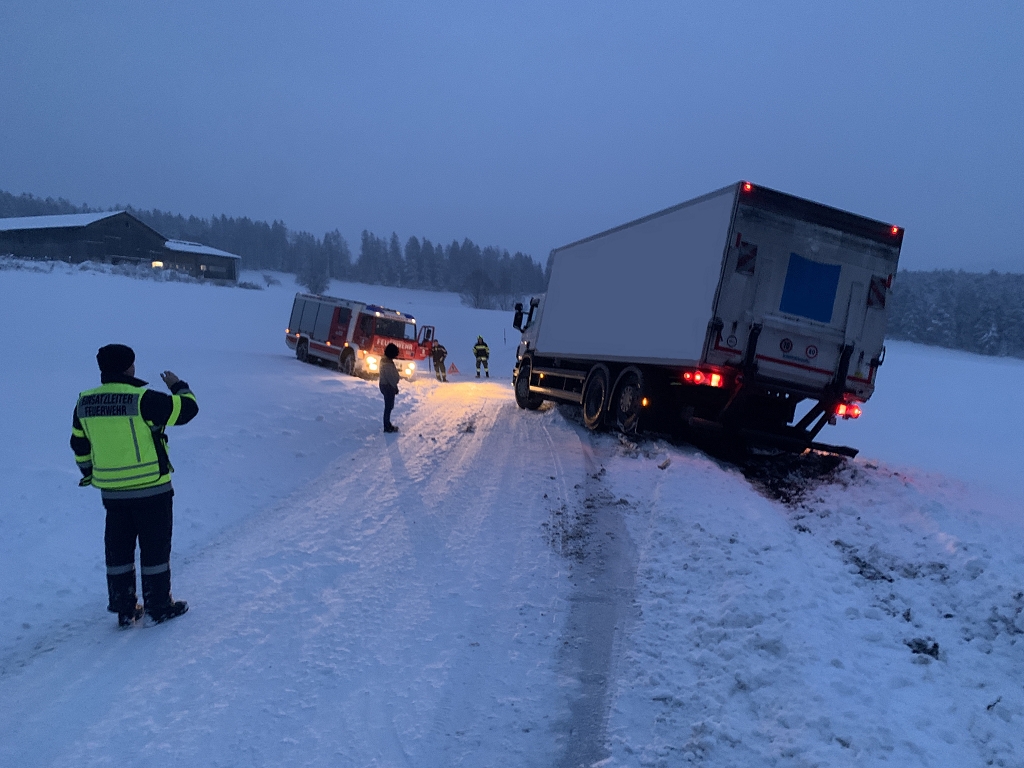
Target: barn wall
(118, 238)
(115, 239)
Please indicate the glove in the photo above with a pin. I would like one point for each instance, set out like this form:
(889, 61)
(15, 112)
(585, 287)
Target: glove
(87, 480)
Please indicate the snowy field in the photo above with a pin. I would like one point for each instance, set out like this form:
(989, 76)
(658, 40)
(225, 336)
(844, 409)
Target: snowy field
(494, 587)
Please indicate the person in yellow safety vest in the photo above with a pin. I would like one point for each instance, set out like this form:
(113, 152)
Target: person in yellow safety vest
(482, 353)
(118, 438)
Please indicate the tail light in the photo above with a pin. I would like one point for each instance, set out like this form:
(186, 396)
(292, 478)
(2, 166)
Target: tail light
(848, 410)
(701, 377)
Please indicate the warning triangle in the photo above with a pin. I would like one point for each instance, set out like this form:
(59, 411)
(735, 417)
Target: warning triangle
(452, 368)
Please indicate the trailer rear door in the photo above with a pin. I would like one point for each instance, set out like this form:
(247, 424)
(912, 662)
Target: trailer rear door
(802, 272)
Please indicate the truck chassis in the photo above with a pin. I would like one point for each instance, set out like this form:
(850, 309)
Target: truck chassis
(742, 407)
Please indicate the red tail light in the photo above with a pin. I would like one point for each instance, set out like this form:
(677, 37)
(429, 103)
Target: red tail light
(708, 379)
(848, 410)
(748, 187)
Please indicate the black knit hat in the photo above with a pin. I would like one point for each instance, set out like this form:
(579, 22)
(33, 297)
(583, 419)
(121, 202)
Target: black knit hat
(115, 358)
(391, 351)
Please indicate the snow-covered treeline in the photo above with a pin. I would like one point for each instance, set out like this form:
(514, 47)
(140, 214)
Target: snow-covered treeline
(487, 277)
(982, 313)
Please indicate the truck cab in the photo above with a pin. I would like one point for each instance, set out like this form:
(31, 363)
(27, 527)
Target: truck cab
(527, 322)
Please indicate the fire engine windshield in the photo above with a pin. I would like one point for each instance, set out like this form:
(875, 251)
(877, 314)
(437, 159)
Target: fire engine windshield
(395, 329)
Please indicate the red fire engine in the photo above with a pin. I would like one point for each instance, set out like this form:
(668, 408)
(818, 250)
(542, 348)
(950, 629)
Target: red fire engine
(352, 335)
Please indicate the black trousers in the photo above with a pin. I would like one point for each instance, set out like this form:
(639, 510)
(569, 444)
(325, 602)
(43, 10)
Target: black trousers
(148, 520)
(481, 361)
(389, 404)
(439, 370)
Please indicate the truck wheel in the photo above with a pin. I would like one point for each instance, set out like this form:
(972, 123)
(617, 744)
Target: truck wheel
(302, 351)
(628, 400)
(347, 363)
(595, 396)
(524, 398)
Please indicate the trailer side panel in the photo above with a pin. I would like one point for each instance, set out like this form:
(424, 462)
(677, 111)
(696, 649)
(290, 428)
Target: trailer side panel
(664, 271)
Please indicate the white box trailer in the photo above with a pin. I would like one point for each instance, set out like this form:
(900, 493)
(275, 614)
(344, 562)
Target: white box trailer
(721, 314)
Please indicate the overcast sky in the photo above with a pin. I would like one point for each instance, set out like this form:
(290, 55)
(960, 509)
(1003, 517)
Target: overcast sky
(525, 124)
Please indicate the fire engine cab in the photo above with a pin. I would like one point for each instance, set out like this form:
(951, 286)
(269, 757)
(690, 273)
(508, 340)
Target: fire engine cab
(352, 335)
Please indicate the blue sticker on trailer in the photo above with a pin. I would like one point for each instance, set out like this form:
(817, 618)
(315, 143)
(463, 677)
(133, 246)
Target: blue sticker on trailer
(810, 289)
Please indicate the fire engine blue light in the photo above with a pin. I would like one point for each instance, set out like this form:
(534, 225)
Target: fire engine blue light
(377, 308)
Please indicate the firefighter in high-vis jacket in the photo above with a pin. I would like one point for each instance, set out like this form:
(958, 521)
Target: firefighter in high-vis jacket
(119, 443)
(482, 353)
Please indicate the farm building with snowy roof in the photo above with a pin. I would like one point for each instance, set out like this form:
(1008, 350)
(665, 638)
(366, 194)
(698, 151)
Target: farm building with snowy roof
(112, 236)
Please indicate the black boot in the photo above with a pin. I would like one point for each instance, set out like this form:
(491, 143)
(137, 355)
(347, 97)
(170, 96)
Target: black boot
(156, 594)
(170, 611)
(121, 597)
(127, 618)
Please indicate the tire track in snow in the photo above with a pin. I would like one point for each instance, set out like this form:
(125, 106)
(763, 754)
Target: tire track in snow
(601, 609)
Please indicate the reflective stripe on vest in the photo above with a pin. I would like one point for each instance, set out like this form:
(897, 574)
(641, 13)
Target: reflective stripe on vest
(123, 452)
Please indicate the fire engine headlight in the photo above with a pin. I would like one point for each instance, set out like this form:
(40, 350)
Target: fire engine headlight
(371, 362)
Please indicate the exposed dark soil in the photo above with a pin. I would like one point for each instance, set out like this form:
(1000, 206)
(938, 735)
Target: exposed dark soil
(788, 477)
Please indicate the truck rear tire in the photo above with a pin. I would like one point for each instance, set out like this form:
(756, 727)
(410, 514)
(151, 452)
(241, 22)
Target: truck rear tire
(595, 397)
(525, 398)
(627, 403)
(302, 351)
(347, 363)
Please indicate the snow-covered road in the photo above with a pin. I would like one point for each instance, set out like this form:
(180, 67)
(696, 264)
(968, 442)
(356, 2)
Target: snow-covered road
(488, 587)
(403, 609)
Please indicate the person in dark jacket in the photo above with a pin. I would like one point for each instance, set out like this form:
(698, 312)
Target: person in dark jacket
(440, 354)
(482, 353)
(389, 384)
(117, 435)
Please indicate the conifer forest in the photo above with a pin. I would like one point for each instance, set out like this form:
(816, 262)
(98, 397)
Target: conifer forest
(975, 312)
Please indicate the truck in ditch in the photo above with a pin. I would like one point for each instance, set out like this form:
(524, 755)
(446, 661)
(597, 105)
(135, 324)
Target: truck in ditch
(352, 335)
(747, 314)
